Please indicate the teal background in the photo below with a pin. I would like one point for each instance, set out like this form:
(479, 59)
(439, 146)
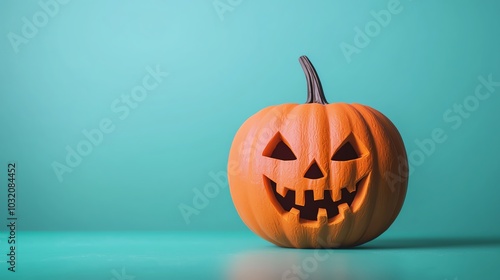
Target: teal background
(222, 69)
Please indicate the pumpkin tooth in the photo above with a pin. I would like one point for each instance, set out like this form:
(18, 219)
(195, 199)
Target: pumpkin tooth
(344, 210)
(281, 190)
(294, 215)
(351, 187)
(300, 198)
(319, 194)
(322, 216)
(336, 195)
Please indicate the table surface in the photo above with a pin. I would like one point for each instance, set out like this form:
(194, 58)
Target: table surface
(242, 255)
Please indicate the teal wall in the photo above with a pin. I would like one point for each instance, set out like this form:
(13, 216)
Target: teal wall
(79, 65)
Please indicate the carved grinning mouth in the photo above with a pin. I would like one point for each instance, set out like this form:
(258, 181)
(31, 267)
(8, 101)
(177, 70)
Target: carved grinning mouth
(309, 211)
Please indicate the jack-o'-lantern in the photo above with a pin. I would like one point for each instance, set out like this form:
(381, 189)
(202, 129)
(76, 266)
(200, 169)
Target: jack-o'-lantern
(318, 175)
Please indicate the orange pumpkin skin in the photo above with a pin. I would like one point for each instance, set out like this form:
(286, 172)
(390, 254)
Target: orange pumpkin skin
(318, 175)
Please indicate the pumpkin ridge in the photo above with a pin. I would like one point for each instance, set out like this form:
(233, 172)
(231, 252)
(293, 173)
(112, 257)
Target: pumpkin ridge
(398, 144)
(249, 130)
(388, 131)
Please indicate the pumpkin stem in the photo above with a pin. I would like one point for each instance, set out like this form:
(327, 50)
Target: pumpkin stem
(314, 89)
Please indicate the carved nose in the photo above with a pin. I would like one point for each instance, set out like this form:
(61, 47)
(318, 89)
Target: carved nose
(314, 172)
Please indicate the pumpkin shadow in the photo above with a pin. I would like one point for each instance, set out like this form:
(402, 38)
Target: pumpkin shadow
(431, 243)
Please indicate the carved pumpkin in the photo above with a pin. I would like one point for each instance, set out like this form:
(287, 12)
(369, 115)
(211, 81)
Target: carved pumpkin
(316, 175)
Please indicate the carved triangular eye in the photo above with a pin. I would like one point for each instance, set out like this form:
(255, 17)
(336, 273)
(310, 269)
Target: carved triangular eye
(345, 153)
(278, 149)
